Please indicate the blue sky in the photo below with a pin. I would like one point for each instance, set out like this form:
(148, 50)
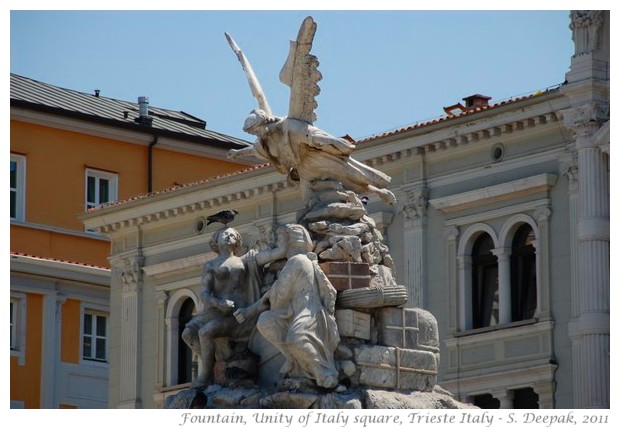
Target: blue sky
(381, 69)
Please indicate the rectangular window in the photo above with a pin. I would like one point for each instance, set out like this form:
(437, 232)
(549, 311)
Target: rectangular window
(101, 187)
(94, 337)
(17, 184)
(18, 326)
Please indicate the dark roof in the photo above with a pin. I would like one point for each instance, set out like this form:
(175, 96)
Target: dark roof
(31, 94)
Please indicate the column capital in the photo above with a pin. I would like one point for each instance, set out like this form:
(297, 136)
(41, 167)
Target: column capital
(414, 209)
(542, 214)
(586, 119)
(586, 25)
(130, 273)
(502, 253)
(61, 298)
(451, 233)
(162, 297)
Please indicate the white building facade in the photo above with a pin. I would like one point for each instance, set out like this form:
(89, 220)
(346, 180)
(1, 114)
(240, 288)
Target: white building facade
(501, 231)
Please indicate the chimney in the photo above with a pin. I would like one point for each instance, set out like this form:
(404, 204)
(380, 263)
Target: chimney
(476, 100)
(97, 93)
(144, 118)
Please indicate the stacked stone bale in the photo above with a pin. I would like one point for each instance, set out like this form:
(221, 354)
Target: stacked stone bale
(383, 345)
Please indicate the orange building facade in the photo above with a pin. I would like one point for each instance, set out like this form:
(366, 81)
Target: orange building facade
(71, 151)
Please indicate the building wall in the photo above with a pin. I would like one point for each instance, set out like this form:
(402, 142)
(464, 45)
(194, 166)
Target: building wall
(551, 175)
(51, 248)
(26, 377)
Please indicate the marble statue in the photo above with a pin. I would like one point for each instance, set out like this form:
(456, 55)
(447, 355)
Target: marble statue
(330, 317)
(229, 282)
(297, 314)
(292, 144)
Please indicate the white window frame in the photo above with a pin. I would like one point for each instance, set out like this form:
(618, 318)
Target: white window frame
(94, 312)
(18, 327)
(20, 188)
(172, 331)
(112, 179)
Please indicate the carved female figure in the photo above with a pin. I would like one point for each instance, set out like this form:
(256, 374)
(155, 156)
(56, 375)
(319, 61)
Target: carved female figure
(297, 314)
(229, 282)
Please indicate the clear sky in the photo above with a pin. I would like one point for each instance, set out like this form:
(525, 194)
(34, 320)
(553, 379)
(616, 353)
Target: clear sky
(381, 69)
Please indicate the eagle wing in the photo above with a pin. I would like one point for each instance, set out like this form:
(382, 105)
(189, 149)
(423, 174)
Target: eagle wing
(301, 74)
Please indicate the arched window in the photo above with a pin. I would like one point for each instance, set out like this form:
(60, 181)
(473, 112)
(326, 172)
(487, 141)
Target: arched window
(523, 274)
(485, 294)
(185, 353)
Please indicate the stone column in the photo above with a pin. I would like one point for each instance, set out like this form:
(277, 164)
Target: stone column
(541, 246)
(503, 277)
(51, 338)
(590, 331)
(465, 300)
(569, 168)
(545, 391)
(162, 299)
(450, 234)
(130, 351)
(172, 361)
(414, 212)
(505, 398)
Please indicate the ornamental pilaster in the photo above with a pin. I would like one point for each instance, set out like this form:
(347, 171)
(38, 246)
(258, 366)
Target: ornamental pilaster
(414, 217)
(130, 275)
(450, 235)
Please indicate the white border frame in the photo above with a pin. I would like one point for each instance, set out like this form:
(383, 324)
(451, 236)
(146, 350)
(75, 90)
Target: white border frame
(98, 310)
(20, 209)
(20, 299)
(100, 174)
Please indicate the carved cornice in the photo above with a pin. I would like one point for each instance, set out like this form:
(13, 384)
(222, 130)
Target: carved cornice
(456, 140)
(216, 203)
(496, 193)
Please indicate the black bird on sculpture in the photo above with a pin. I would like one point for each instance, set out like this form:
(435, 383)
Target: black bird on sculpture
(224, 217)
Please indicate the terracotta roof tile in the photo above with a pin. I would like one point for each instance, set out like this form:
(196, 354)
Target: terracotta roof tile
(468, 112)
(176, 187)
(44, 258)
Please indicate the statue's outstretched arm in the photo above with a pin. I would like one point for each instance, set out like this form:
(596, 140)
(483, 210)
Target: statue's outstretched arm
(257, 91)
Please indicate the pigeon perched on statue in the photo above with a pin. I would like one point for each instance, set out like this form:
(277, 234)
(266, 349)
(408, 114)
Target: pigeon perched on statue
(224, 217)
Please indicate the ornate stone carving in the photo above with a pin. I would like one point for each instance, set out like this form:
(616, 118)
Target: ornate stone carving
(131, 273)
(451, 233)
(569, 168)
(586, 26)
(162, 297)
(586, 119)
(541, 214)
(414, 210)
(60, 300)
